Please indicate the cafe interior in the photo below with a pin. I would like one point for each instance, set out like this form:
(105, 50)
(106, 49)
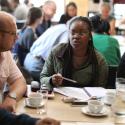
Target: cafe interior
(71, 54)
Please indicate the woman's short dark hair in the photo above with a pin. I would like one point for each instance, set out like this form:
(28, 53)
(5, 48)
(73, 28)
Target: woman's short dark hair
(33, 14)
(90, 50)
(99, 25)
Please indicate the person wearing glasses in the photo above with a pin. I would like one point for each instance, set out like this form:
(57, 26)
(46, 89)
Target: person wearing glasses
(48, 9)
(9, 72)
(77, 60)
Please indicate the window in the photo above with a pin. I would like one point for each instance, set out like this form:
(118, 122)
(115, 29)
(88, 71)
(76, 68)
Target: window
(119, 11)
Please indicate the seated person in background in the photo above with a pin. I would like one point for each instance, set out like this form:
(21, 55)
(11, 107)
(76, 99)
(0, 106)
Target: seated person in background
(105, 10)
(5, 6)
(41, 48)
(9, 72)
(19, 10)
(76, 59)
(103, 42)
(20, 13)
(48, 9)
(13, 4)
(27, 35)
(7, 118)
(71, 11)
(121, 68)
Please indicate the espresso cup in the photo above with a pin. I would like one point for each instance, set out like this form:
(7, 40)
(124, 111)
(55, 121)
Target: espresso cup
(95, 106)
(35, 99)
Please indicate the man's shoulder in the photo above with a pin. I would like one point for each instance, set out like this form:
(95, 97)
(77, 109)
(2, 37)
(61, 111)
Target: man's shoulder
(113, 39)
(7, 57)
(6, 54)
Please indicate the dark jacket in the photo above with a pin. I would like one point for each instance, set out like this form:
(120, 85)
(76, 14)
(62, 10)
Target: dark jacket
(26, 39)
(7, 118)
(57, 62)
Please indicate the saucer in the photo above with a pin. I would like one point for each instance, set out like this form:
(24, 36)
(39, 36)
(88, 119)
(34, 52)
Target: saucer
(32, 106)
(86, 111)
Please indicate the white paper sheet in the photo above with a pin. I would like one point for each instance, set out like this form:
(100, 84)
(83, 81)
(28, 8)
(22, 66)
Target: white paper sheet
(96, 91)
(80, 93)
(72, 92)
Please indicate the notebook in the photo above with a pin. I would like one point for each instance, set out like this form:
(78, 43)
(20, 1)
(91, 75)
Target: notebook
(81, 93)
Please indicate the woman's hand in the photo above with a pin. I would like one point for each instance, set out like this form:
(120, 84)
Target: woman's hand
(57, 79)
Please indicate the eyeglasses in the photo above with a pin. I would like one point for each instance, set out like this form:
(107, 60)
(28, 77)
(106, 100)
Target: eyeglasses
(9, 32)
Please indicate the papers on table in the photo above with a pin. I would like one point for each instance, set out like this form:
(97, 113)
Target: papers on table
(95, 91)
(81, 93)
(78, 93)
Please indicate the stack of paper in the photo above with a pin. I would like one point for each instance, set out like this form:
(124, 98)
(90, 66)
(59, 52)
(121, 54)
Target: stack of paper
(95, 91)
(81, 93)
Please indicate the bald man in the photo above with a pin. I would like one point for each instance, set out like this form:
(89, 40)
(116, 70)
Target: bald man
(48, 9)
(9, 72)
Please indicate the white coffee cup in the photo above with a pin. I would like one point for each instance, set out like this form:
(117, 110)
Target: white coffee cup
(95, 106)
(35, 99)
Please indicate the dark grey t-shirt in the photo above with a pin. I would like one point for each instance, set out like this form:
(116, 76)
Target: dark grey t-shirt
(27, 38)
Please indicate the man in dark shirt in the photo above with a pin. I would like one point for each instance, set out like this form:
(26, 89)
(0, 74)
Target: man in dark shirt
(48, 9)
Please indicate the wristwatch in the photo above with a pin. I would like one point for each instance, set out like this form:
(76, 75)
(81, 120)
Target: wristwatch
(12, 95)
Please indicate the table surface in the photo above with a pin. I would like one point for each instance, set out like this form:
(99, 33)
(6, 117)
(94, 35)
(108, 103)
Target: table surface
(67, 113)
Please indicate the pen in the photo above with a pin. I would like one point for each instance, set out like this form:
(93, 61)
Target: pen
(67, 79)
(87, 92)
(70, 80)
